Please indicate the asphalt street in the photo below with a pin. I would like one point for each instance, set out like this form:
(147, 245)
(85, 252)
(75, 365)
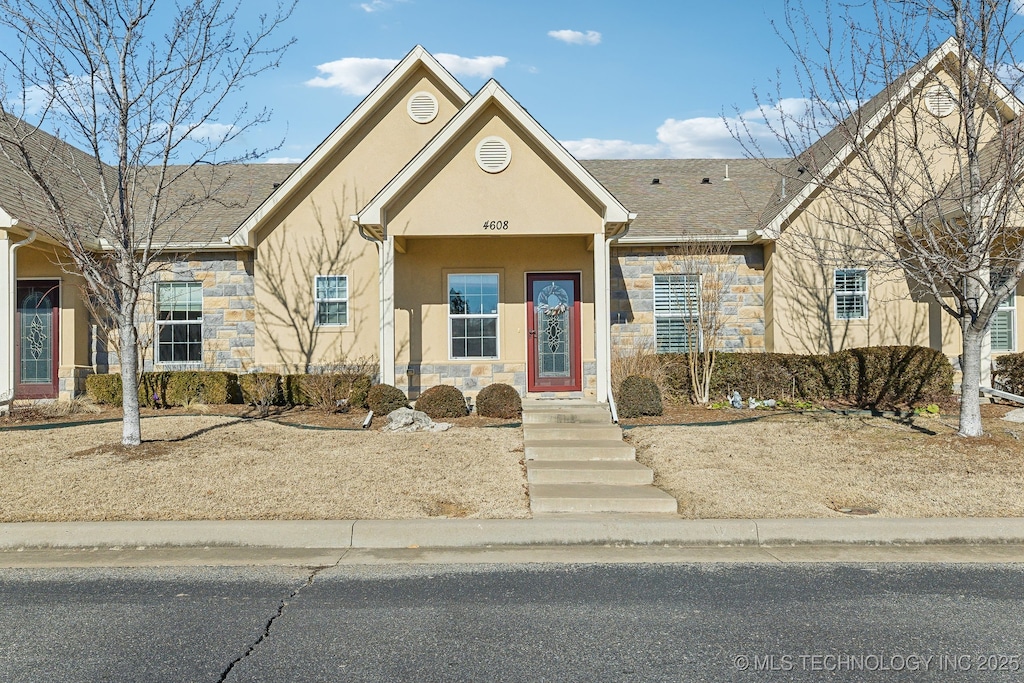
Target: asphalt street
(539, 622)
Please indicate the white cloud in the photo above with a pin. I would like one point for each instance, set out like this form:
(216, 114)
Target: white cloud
(283, 160)
(576, 37)
(480, 67)
(595, 148)
(212, 131)
(360, 75)
(374, 6)
(353, 75)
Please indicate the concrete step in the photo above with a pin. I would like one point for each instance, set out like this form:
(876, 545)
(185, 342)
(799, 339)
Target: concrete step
(553, 431)
(620, 472)
(568, 498)
(589, 415)
(560, 449)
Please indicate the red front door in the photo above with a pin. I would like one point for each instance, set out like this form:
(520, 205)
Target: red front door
(37, 339)
(553, 327)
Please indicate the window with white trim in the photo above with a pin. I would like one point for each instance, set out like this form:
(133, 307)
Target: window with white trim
(1002, 333)
(331, 300)
(179, 322)
(677, 313)
(851, 291)
(473, 315)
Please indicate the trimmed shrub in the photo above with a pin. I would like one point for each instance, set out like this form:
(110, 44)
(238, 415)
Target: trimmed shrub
(441, 402)
(360, 389)
(1010, 372)
(261, 389)
(384, 398)
(638, 396)
(105, 389)
(153, 389)
(499, 400)
(325, 390)
(214, 388)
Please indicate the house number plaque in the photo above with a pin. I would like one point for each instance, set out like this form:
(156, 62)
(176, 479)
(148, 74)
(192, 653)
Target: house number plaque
(495, 225)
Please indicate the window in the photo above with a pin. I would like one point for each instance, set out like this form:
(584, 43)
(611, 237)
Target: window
(179, 322)
(677, 313)
(331, 299)
(851, 285)
(473, 315)
(1002, 331)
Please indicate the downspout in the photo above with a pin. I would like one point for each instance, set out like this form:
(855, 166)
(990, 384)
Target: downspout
(607, 294)
(12, 287)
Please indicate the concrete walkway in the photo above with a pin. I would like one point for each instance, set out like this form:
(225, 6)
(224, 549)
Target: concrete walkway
(577, 462)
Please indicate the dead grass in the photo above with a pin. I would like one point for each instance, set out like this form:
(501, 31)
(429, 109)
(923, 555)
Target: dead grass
(791, 465)
(217, 467)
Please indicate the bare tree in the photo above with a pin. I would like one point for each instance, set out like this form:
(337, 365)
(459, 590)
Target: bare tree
(136, 93)
(907, 140)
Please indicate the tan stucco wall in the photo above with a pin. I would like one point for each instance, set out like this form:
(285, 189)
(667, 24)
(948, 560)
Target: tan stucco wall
(421, 294)
(454, 196)
(299, 240)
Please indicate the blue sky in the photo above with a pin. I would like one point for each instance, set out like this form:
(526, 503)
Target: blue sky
(607, 79)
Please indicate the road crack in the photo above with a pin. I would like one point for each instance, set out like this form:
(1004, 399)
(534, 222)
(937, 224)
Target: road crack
(270, 622)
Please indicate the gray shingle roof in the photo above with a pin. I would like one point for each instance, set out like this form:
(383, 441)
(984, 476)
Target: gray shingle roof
(680, 204)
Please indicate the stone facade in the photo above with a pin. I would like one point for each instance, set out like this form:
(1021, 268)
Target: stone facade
(470, 378)
(741, 273)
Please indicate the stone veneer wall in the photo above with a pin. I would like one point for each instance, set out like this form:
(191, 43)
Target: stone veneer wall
(470, 378)
(632, 294)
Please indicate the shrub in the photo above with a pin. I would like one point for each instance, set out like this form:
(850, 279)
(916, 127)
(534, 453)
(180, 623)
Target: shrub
(499, 400)
(441, 402)
(1010, 372)
(360, 390)
(105, 389)
(384, 398)
(329, 391)
(261, 389)
(153, 389)
(638, 396)
(189, 387)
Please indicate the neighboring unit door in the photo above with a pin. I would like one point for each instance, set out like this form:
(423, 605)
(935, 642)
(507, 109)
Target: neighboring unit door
(36, 339)
(553, 327)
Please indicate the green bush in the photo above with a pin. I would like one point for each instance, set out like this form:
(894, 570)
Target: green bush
(360, 389)
(879, 377)
(261, 389)
(384, 398)
(213, 388)
(499, 400)
(442, 402)
(639, 396)
(1010, 372)
(153, 389)
(105, 389)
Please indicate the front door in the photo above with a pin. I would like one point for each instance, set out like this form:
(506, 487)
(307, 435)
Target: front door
(36, 339)
(553, 327)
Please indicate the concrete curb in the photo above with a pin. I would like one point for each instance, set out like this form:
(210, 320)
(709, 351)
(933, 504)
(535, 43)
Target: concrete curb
(547, 531)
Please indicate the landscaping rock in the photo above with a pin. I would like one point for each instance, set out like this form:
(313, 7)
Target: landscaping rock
(1015, 415)
(409, 420)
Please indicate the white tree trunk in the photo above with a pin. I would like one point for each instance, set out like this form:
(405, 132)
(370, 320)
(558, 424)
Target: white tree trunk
(970, 382)
(131, 428)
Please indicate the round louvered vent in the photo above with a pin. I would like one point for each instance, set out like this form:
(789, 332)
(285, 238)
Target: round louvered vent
(939, 100)
(422, 107)
(493, 154)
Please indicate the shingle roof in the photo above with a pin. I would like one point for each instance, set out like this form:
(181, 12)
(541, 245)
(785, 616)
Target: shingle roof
(680, 204)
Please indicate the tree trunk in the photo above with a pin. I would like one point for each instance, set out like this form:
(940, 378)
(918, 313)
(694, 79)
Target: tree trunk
(970, 382)
(131, 427)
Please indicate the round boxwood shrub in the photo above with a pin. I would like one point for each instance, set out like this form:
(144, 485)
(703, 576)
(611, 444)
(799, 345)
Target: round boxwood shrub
(499, 400)
(639, 396)
(360, 389)
(384, 398)
(442, 402)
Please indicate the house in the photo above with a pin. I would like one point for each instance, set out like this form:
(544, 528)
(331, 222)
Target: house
(450, 238)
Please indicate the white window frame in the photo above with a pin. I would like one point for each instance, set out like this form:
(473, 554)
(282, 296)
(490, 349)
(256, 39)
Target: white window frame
(862, 293)
(1008, 307)
(160, 324)
(688, 313)
(329, 300)
(496, 316)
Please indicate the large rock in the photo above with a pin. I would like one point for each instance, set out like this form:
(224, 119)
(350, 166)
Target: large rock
(1015, 415)
(409, 420)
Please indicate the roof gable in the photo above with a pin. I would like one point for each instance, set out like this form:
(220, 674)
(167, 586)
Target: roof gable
(417, 58)
(492, 94)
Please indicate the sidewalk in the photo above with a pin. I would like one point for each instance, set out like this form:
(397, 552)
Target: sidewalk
(547, 531)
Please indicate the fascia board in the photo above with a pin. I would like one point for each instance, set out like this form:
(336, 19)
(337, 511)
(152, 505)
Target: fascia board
(6, 221)
(243, 235)
(372, 213)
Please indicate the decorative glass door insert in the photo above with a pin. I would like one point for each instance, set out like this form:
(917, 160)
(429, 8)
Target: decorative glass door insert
(37, 339)
(554, 331)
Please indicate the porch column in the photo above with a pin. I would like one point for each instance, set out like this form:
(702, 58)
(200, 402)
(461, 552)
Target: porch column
(7, 293)
(387, 310)
(602, 318)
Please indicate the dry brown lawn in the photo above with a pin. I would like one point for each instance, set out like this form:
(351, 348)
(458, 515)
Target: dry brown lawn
(790, 465)
(216, 467)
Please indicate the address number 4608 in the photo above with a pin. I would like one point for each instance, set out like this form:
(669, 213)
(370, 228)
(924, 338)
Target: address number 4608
(495, 225)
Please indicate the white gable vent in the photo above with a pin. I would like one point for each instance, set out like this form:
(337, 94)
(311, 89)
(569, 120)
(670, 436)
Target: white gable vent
(939, 100)
(422, 107)
(493, 154)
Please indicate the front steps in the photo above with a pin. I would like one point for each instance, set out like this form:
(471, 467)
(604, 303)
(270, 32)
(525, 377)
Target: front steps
(577, 462)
